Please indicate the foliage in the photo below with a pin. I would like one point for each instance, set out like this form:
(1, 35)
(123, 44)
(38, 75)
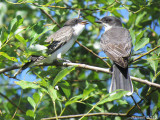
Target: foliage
(51, 91)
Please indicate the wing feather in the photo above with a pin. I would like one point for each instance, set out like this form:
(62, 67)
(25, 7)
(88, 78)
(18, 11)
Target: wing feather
(116, 43)
(59, 38)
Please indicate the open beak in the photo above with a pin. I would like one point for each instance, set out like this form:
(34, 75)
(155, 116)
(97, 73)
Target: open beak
(98, 21)
(84, 22)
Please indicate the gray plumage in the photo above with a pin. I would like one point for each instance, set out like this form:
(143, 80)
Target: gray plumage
(59, 38)
(116, 43)
(59, 43)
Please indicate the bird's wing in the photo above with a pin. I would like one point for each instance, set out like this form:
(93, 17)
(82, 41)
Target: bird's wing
(116, 43)
(59, 38)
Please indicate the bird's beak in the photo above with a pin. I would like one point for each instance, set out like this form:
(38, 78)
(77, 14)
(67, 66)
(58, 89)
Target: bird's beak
(84, 22)
(98, 21)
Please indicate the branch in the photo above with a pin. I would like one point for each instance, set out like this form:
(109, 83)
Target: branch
(146, 53)
(134, 12)
(92, 53)
(131, 109)
(48, 15)
(9, 68)
(92, 114)
(79, 65)
(12, 102)
(138, 106)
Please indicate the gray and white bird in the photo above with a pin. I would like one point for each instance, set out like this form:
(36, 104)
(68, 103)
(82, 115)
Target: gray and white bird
(59, 43)
(116, 44)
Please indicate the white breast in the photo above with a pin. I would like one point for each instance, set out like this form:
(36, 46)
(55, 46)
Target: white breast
(78, 29)
(107, 26)
(61, 51)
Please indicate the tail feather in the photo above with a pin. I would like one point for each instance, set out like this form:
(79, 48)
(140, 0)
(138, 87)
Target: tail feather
(121, 79)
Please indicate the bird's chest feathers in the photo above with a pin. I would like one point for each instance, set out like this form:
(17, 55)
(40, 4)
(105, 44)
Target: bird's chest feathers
(107, 26)
(78, 29)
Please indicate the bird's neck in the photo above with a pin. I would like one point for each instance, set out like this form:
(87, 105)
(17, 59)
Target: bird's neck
(78, 29)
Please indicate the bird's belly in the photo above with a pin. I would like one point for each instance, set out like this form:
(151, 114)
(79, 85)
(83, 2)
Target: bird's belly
(60, 51)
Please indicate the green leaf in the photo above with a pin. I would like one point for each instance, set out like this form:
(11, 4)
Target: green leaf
(30, 113)
(36, 97)
(19, 22)
(66, 88)
(111, 97)
(62, 74)
(132, 33)
(86, 92)
(31, 101)
(56, 1)
(8, 57)
(21, 39)
(11, 24)
(73, 100)
(52, 93)
(153, 62)
(141, 43)
(26, 84)
(140, 35)
(39, 30)
(140, 17)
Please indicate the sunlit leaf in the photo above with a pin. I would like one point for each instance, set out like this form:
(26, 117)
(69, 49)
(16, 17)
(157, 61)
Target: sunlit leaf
(8, 57)
(73, 100)
(52, 92)
(141, 43)
(112, 97)
(30, 113)
(21, 39)
(26, 84)
(62, 74)
(36, 97)
(31, 101)
(66, 88)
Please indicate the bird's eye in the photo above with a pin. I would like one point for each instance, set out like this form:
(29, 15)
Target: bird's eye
(108, 20)
(76, 20)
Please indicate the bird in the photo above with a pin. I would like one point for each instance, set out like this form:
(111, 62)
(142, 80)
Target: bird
(58, 43)
(116, 43)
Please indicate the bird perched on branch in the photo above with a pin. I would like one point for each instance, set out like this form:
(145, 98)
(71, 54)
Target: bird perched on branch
(59, 43)
(116, 44)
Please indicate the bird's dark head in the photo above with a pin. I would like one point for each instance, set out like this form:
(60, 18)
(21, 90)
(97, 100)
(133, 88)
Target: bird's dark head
(75, 21)
(110, 21)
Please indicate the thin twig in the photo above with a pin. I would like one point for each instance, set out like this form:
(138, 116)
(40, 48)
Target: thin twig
(48, 15)
(134, 12)
(129, 111)
(12, 102)
(93, 53)
(146, 53)
(138, 106)
(93, 114)
(18, 105)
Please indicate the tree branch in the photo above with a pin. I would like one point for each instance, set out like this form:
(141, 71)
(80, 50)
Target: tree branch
(134, 12)
(48, 15)
(138, 106)
(93, 53)
(146, 53)
(129, 111)
(92, 114)
(89, 67)
(12, 102)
